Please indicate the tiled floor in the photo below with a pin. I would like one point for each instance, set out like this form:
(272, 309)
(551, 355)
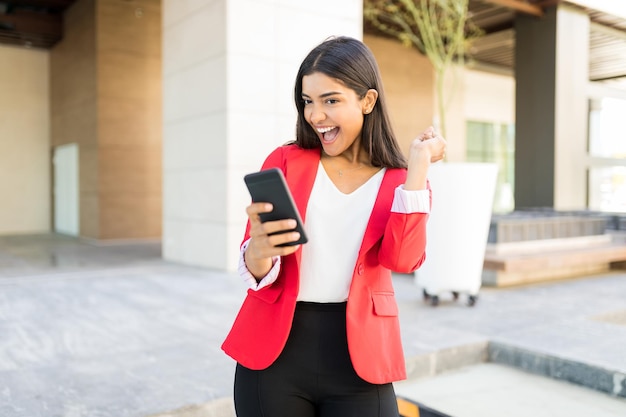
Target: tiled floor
(89, 330)
(45, 253)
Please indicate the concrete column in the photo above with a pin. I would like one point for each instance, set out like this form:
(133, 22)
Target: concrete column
(552, 66)
(228, 73)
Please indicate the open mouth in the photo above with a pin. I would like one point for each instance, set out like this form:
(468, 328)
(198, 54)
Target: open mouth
(328, 133)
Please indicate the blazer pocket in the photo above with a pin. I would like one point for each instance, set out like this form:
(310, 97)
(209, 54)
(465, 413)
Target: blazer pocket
(268, 294)
(384, 304)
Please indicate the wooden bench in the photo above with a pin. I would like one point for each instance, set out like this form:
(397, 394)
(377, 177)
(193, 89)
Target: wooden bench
(543, 260)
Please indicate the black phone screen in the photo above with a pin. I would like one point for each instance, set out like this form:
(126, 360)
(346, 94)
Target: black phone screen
(269, 186)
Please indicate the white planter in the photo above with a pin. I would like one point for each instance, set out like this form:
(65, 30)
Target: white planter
(458, 227)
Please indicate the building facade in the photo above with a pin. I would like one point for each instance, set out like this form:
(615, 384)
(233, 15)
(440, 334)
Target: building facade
(141, 122)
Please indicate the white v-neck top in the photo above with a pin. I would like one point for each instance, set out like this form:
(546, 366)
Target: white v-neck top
(414, 201)
(335, 224)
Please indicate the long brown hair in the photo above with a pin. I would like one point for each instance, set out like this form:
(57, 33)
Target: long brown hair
(352, 63)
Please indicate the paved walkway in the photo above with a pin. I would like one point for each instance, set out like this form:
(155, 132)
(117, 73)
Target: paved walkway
(491, 390)
(92, 330)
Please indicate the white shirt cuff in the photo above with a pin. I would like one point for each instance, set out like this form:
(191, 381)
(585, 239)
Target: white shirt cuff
(249, 278)
(415, 201)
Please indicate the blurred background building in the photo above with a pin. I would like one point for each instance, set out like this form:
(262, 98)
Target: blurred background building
(137, 119)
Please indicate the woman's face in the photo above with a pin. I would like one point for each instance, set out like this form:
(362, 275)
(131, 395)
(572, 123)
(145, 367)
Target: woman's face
(335, 112)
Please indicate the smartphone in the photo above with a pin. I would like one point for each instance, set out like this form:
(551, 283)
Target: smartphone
(269, 186)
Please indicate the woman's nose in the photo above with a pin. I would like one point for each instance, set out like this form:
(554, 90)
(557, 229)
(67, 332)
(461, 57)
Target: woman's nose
(316, 115)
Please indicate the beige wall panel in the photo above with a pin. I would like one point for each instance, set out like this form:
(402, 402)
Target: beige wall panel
(124, 75)
(89, 214)
(73, 120)
(130, 216)
(24, 141)
(130, 184)
(409, 84)
(129, 121)
(137, 23)
(88, 178)
(129, 118)
(130, 170)
(73, 78)
(88, 185)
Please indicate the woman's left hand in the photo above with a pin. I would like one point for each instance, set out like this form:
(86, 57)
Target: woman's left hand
(429, 147)
(429, 142)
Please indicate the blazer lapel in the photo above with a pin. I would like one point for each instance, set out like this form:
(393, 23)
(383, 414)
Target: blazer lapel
(301, 170)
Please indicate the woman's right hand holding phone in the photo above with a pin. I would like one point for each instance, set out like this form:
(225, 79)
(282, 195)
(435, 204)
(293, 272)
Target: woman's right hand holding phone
(262, 247)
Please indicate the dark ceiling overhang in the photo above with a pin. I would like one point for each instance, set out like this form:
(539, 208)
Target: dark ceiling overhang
(32, 23)
(607, 40)
(495, 50)
(39, 24)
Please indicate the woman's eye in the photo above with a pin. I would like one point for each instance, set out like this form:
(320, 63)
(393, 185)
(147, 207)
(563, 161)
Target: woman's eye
(306, 101)
(332, 101)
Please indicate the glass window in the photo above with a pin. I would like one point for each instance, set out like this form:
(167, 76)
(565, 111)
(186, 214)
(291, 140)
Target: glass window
(607, 128)
(607, 189)
(493, 142)
(607, 149)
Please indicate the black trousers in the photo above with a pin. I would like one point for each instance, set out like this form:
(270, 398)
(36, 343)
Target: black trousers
(313, 376)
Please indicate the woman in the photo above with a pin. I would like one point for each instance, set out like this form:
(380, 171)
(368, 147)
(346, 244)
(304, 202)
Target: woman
(318, 333)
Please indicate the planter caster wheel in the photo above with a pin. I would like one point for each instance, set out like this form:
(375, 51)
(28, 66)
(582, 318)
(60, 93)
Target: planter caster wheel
(425, 295)
(434, 301)
(472, 300)
(455, 295)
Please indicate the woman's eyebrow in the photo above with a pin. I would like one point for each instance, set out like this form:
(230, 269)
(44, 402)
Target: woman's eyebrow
(330, 93)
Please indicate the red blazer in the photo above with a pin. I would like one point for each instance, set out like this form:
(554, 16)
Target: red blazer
(392, 241)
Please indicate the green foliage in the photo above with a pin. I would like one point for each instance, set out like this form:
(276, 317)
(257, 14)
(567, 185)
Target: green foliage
(439, 29)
